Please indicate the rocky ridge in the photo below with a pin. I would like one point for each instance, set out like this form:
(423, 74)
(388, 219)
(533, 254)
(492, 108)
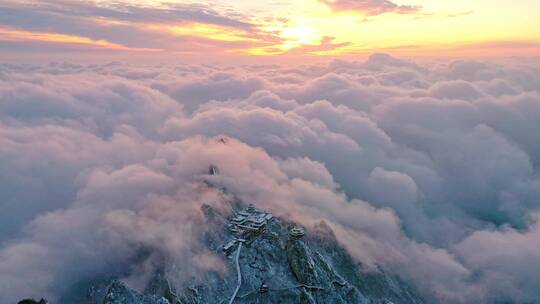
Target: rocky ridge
(279, 262)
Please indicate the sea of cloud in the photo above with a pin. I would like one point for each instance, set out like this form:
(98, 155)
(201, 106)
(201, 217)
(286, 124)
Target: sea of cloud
(430, 169)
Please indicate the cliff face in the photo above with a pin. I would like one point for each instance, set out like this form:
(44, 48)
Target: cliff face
(276, 266)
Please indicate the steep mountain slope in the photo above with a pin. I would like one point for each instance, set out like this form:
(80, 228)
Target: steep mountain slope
(273, 263)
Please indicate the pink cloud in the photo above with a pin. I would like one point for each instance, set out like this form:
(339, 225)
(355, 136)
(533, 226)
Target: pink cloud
(371, 7)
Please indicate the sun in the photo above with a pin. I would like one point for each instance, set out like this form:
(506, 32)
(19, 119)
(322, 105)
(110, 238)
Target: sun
(300, 34)
(291, 34)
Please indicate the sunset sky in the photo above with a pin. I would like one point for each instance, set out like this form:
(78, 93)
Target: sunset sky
(401, 134)
(271, 28)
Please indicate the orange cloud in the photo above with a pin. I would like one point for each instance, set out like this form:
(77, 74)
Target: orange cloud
(7, 35)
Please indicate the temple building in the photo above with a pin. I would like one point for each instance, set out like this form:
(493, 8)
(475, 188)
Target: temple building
(249, 222)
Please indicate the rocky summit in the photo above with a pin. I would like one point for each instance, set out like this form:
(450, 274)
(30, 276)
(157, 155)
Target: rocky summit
(269, 260)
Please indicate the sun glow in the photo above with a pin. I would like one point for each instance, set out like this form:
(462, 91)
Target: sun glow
(300, 34)
(288, 36)
(300, 27)
(210, 31)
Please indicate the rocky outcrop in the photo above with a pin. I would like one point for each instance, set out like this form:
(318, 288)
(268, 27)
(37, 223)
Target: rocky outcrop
(32, 301)
(119, 293)
(301, 262)
(160, 287)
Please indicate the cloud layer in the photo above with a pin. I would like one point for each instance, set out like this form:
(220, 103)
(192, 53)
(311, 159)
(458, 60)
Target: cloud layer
(117, 26)
(371, 7)
(429, 169)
